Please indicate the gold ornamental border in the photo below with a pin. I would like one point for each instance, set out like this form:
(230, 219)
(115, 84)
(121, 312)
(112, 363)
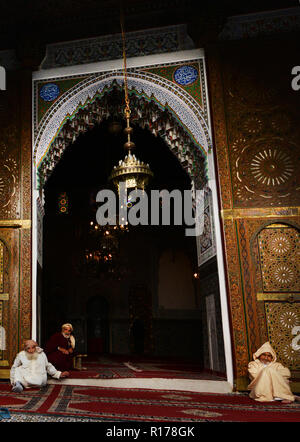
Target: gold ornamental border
(4, 364)
(4, 373)
(16, 223)
(290, 297)
(269, 212)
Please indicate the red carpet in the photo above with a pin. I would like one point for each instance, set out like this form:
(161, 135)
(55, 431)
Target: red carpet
(113, 404)
(124, 367)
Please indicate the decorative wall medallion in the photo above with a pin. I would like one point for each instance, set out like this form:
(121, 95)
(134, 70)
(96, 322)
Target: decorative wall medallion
(252, 125)
(280, 244)
(265, 169)
(282, 319)
(271, 166)
(288, 320)
(49, 92)
(289, 354)
(185, 75)
(285, 274)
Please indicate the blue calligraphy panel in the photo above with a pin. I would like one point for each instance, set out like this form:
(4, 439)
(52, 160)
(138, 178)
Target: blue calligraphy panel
(185, 75)
(49, 92)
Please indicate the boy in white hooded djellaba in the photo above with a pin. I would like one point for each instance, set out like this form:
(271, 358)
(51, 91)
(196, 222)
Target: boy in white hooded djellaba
(269, 379)
(30, 368)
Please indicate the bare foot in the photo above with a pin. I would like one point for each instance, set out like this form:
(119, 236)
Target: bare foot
(286, 401)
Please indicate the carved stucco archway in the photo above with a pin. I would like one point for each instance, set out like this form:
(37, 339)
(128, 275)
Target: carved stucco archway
(60, 126)
(187, 132)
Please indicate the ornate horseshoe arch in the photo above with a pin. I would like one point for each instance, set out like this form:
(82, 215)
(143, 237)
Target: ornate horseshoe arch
(186, 130)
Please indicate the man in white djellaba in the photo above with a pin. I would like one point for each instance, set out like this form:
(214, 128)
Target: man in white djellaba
(30, 368)
(269, 378)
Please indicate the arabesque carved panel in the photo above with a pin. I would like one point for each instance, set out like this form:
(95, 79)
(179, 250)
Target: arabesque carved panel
(283, 321)
(280, 259)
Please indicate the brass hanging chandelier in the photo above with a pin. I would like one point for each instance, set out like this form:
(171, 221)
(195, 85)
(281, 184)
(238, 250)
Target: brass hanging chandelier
(131, 171)
(102, 257)
(102, 254)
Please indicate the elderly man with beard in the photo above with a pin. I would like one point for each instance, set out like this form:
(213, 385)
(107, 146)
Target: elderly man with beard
(60, 348)
(31, 367)
(269, 378)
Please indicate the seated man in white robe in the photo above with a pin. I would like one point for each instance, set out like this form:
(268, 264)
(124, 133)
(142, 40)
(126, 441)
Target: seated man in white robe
(30, 368)
(269, 379)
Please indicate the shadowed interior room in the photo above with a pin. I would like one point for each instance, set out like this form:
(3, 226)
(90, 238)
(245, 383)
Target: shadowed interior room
(107, 303)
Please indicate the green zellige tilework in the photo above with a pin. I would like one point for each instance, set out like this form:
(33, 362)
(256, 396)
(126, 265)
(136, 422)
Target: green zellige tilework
(167, 72)
(64, 85)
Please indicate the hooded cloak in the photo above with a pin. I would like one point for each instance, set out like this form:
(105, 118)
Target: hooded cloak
(268, 381)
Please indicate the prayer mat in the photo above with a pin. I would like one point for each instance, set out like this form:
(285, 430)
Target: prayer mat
(142, 405)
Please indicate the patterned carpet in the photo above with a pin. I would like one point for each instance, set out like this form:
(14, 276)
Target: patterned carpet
(122, 367)
(61, 403)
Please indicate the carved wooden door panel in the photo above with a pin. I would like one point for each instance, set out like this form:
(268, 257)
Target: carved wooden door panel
(9, 297)
(279, 255)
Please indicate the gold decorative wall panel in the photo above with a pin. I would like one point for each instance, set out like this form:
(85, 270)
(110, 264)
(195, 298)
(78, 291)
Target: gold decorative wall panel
(15, 214)
(279, 249)
(283, 321)
(4, 298)
(10, 204)
(256, 141)
(1, 267)
(262, 128)
(2, 330)
(264, 169)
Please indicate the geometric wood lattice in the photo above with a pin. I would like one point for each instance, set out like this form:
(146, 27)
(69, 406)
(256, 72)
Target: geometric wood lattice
(279, 252)
(283, 321)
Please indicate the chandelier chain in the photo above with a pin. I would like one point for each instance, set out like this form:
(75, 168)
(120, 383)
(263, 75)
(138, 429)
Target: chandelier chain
(127, 107)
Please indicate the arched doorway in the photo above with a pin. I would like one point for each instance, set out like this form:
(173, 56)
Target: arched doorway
(138, 291)
(187, 137)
